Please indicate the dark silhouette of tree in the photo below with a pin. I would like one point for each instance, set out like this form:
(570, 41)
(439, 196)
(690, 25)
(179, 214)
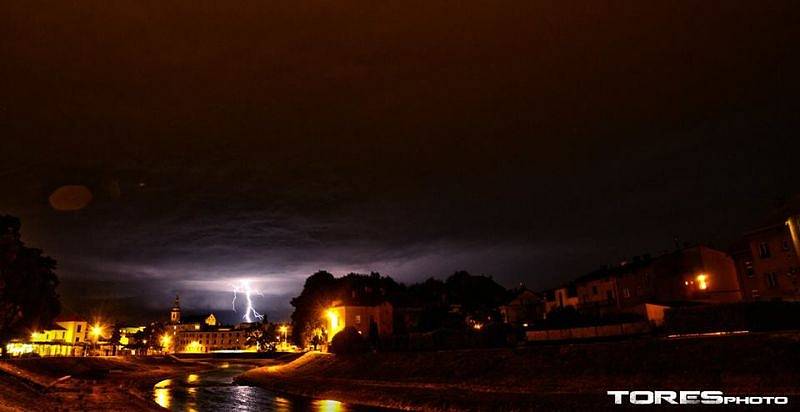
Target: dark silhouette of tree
(137, 342)
(264, 336)
(474, 293)
(28, 298)
(348, 341)
(114, 340)
(374, 338)
(150, 337)
(318, 293)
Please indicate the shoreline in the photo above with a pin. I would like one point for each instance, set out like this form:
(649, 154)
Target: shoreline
(123, 384)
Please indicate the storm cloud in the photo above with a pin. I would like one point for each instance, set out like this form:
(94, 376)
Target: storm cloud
(528, 140)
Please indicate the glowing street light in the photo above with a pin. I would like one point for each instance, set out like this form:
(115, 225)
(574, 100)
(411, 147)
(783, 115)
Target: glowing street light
(97, 331)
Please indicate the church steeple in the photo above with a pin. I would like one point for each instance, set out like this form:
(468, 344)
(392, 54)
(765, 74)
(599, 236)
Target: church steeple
(175, 312)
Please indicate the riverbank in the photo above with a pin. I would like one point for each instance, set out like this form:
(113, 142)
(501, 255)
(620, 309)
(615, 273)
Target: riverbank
(542, 377)
(94, 383)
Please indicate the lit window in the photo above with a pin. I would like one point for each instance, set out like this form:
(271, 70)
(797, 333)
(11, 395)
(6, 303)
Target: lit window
(358, 319)
(702, 281)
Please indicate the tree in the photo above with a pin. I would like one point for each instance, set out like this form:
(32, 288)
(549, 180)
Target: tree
(348, 342)
(114, 340)
(136, 342)
(318, 293)
(149, 338)
(264, 336)
(374, 337)
(28, 298)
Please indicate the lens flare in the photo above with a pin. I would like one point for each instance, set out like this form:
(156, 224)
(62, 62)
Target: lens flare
(243, 286)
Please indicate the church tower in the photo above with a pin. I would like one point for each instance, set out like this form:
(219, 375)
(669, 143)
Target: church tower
(175, 312)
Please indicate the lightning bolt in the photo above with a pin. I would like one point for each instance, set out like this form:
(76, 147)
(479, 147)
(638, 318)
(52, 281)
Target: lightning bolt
(243, 286)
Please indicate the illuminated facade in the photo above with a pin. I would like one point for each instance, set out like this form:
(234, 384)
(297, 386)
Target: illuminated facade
(67, 336)
(201, 334)
(362, 318)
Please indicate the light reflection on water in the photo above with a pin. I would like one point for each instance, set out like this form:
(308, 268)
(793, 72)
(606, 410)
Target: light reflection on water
(215, 391)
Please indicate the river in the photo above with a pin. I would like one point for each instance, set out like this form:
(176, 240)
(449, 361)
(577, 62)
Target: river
(214, 390)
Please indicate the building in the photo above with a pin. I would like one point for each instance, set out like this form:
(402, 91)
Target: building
(175, 312)
(202, 334)
(767, 261)
(523, 309)
(597, 291)
(560, 298)
(210, 339)
(67, 336)
(698, 274)
(360, 317)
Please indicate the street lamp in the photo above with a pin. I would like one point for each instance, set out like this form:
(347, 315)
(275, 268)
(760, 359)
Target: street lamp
(96, 332)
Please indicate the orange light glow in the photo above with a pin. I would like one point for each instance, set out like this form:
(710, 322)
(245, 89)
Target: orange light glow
(166, 340)
(702, 281)
(97, 331)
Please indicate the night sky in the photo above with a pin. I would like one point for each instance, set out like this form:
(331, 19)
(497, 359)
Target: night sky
(529, 140)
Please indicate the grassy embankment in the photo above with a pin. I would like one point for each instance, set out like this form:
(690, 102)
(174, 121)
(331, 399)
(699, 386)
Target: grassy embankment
(568, 376)
(100, 384)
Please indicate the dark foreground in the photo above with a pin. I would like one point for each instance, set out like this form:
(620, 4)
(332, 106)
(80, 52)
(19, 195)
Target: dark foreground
(545, 377)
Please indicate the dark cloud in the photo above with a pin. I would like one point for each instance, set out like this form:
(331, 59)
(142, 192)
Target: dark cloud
(529, 140)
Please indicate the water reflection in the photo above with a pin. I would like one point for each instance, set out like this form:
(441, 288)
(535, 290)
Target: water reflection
(327, 405)
(215, 391)
(163, 397)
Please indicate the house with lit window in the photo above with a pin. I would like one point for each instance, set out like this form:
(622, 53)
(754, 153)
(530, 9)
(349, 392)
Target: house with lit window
(647, 286)
(361, 317)
(67, 336)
